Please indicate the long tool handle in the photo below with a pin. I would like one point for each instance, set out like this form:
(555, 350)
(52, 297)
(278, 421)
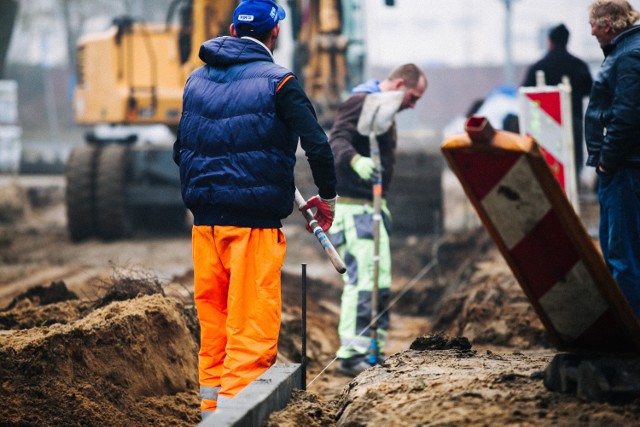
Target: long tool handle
(374, 349)
(331, 252)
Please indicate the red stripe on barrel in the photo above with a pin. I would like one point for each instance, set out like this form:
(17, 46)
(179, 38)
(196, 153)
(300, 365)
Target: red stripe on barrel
(545, 254)
(482, 172)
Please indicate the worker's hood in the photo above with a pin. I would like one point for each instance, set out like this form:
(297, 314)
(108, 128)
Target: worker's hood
(370, 86)
(225, 51)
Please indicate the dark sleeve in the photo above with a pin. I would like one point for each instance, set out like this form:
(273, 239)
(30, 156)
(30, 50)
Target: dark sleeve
(345, 132)
(176, 148)
(295, 109)
(623, 130)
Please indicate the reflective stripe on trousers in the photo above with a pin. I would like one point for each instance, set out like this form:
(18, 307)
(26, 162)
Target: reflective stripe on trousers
(208, 400)
(237, 296)
(352, 235)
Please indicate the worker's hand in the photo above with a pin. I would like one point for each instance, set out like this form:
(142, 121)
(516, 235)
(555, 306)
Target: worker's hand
(600, 170)
(325, 210)
(364, 167)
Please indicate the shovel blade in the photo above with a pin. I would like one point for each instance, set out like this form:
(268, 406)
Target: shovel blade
(378, 112)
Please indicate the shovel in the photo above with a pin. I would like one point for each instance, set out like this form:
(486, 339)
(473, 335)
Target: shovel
(377, 116)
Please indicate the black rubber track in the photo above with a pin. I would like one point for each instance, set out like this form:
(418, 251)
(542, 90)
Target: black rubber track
(114, 220)
(80, 192)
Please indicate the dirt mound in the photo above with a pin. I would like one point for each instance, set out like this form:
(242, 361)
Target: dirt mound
(432, 267)
(13, 207)
(29, 316)
(442, 380)
(13, 203)
(129, 363)
(467, 289)
(440, 341)
(491, 308)
(305, 409)
(42, 295)
(128, 356)
(466, 387)
(126, 284)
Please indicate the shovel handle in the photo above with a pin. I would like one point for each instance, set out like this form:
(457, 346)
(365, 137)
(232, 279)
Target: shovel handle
(317, 231)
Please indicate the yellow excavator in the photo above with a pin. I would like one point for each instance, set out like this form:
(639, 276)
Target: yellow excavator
(129, 94)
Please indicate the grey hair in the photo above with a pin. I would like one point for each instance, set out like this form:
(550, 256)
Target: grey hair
(619, 13)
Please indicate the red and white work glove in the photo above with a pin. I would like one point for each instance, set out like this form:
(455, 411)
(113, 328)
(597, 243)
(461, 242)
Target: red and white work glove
(325, 210)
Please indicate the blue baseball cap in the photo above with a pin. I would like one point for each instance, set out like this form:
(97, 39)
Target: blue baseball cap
(257, 16)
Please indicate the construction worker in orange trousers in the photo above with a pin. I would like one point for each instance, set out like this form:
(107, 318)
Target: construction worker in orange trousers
(237, 290)
(241, 120)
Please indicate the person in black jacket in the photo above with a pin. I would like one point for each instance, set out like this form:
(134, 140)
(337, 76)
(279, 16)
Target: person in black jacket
(612, 130)
(558, 62)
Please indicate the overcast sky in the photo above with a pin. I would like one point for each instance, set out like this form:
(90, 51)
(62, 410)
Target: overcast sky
(462, 32)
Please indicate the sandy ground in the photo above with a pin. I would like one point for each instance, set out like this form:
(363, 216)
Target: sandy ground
(109, 335)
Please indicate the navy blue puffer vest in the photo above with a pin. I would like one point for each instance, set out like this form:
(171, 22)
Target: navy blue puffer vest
(237, 157)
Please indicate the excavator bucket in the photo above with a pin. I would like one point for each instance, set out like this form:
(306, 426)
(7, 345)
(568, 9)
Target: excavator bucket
(534, 226)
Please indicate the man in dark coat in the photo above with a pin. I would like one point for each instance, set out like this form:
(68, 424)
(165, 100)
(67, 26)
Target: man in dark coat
(612, 131)
(558, 62)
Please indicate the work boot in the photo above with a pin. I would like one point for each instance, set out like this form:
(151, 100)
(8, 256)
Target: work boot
(353, 366)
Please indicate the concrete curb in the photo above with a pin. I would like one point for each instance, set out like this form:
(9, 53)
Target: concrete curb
(252, 406)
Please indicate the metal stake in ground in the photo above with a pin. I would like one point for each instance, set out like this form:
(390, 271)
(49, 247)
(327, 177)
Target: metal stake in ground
(377, 116)
(304, 327)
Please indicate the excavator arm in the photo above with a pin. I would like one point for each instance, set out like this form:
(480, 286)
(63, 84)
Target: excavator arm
(329, 50)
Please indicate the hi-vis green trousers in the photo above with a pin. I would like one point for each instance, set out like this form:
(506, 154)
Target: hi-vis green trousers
(352, 235)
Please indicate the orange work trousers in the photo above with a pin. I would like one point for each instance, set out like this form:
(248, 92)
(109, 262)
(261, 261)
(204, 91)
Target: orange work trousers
(237, 296)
